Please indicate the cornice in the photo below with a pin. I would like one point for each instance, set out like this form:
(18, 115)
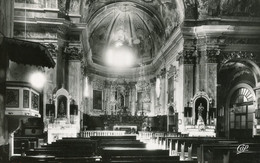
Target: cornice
(218, 30)
(224, 20)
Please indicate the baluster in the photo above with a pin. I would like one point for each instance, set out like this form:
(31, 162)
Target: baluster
(170, 147)
(189, 152)
(182, 151)
(176, 148)
(164, 144)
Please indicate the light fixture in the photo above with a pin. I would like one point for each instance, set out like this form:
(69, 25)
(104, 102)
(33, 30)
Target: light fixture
(37, 79)
(120, 55)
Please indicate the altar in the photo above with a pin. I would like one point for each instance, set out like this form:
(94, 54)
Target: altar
(128, 129)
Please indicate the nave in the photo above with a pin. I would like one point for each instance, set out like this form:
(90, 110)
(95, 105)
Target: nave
(129, 81)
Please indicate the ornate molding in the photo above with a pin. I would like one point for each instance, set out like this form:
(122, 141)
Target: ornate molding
(187, 57)
(191, 11)
(52, 48)
(73, 53)
(98, 84)
(226, 56)
(212, 55)
(163, 72)
(83, 66)
(199, 95)
(173, 72)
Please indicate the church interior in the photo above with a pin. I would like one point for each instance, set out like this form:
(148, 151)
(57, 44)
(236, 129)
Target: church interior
(132, 81)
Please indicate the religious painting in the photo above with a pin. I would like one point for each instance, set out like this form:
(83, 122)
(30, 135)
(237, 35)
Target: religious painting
(12, 98)
(97, 99)
(62, 106)
(139, 101)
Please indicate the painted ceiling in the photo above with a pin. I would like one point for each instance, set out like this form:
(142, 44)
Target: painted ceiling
(143, 26)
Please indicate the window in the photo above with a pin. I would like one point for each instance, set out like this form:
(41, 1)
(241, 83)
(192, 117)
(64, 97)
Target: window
(242, 109)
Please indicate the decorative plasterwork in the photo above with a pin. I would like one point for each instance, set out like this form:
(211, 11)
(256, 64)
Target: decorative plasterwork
(98, 84)
(201, 94)
(187, 57)
(226, 56)
(212, 55)
(73, 53)
(173, 72)
(163, 72)
(52, 48)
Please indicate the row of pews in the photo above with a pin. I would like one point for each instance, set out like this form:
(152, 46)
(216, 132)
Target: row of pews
(211, 149)
(106, 149)
(129, 149)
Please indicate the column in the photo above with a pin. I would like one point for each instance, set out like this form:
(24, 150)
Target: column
(211, 78)
(61, 57)
(189, 79)
(6, 29)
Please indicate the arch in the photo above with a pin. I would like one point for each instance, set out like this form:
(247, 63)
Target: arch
(252, 66)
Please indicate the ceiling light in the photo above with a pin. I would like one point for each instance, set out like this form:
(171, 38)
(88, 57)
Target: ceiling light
(118, 44)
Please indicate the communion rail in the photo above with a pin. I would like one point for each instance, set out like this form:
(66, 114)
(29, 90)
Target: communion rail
(88, 134)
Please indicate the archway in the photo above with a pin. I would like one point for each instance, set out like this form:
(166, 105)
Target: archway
(234, 76)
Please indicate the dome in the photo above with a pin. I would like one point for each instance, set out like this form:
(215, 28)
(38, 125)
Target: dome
(127, 24)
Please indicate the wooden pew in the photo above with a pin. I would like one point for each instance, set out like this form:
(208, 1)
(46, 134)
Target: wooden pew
(118, 141)
(134, 155)
(225, 152)
(67, 148)
(187, 147)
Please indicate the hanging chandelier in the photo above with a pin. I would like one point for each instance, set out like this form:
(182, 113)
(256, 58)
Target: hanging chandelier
(142, 83)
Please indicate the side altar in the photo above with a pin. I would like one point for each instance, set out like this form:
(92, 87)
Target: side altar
(200, 119)
(62, 117)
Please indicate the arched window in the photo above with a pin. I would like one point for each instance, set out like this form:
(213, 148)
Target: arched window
(241, 95)
(241, 113)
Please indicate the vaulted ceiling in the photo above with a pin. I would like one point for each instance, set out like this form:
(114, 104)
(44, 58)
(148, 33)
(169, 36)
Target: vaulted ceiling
(142, 26)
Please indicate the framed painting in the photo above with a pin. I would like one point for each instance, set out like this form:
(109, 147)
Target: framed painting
(97, 99)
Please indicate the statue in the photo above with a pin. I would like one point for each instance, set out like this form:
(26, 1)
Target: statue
(200, 121)
(62, 111)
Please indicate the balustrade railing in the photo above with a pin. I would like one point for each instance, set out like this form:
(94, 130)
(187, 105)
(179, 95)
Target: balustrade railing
(87, 134)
